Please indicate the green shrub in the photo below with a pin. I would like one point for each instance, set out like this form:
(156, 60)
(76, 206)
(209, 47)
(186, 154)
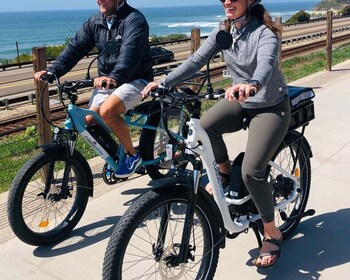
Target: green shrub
(299, 17)
(172, 37)
(345, 11)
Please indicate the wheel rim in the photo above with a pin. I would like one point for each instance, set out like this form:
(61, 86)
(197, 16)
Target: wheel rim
(46, 211)
(285, 160)
(177, 125)
(142, 258)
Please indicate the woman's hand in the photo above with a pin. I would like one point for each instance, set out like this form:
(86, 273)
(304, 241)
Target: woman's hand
(105, 82)
(151, 86)
(243, 91)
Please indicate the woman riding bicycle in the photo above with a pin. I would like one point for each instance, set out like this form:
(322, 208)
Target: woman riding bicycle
(253, 65)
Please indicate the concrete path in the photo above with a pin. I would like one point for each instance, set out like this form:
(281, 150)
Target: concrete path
(320, 248)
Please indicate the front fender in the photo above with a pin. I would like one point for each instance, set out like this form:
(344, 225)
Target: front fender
(58, 148)
(182, 182)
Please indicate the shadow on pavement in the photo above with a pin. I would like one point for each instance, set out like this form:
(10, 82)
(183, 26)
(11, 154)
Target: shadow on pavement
(79, 238)
(319, 243)
(134, 191)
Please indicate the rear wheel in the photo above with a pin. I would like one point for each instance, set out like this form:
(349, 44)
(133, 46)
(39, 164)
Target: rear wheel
(286, 157)
(40, 211)
(153, 144)
(146, 242)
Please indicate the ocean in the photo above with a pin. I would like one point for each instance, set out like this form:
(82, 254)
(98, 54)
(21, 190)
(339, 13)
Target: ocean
(45, 28)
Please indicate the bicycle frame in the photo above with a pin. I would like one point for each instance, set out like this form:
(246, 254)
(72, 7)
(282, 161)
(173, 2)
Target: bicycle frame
(198, 135)
(76, 121)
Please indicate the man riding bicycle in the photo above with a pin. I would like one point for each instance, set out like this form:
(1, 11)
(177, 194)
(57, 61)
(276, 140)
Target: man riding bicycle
(122, 75)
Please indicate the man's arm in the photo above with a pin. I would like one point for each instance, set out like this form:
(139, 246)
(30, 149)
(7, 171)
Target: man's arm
(76, 49)
(134, 43)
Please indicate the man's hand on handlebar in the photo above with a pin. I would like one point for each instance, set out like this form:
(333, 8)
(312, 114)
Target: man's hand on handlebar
(44, 75)
(150, 87)
(39, 74)
(105, 82)
(240, 92)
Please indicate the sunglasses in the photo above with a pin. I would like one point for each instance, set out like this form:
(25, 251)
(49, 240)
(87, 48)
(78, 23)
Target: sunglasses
(232, 1)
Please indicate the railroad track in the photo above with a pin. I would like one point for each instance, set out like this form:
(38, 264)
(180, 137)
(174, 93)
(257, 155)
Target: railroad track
(58, 113)
(314, 45)
(20, 123)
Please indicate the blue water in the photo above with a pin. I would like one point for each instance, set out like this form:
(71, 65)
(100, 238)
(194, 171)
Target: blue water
(44, 28)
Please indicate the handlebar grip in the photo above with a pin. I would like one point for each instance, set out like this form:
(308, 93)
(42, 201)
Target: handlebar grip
(111, 86)
(48, 77)
(251, 94)
(87, 83)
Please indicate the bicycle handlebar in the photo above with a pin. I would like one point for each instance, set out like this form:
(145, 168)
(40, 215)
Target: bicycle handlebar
(187, 95)
(72, 85)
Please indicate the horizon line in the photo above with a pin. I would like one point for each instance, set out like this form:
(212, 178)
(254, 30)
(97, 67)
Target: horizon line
(86, 9)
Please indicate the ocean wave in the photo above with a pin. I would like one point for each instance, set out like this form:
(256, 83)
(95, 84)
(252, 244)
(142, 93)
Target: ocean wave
(191, 24)
(286, 14)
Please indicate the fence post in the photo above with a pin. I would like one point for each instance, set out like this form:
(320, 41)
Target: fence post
(18, 59)
(278, 20)
(44, 129)
(329, 40)
(195, 44)
(195, 39)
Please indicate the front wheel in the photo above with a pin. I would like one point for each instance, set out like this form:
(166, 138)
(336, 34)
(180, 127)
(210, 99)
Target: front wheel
(42, 206)
(146, 242)
(153, 144)
(297, 164)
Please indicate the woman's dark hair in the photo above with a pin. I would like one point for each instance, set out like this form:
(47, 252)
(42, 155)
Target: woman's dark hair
(262, 15)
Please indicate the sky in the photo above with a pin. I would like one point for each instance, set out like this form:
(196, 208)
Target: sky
(40, 5)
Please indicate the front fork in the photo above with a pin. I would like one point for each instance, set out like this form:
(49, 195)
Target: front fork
(185, 247)
(68, 139)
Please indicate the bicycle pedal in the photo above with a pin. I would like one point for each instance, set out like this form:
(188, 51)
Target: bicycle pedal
(141, 170)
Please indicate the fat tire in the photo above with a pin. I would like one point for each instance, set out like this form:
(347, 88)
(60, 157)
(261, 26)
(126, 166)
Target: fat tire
(137, 215)
(16, 205)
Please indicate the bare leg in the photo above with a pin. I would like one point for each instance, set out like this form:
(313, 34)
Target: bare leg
(89, 119)
(110, 111)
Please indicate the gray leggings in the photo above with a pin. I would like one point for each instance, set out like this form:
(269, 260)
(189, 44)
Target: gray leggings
(267, 129)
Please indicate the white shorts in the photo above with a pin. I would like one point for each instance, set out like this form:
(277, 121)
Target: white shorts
(129, 93)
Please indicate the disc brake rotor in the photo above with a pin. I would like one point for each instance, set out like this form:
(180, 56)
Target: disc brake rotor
(166, 269)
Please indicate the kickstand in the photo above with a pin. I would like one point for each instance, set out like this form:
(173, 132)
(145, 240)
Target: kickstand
(257, 234)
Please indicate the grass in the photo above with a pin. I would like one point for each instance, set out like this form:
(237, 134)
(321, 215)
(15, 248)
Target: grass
(299, 67)
(15, 150)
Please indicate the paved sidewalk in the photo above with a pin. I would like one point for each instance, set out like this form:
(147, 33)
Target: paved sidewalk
(320, 248)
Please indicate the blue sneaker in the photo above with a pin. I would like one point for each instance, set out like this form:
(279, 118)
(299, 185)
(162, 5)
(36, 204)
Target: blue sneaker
(128, 166)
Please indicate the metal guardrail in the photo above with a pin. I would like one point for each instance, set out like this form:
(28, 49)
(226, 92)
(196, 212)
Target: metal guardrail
(320, 19)
(49, 60)
(313, 35)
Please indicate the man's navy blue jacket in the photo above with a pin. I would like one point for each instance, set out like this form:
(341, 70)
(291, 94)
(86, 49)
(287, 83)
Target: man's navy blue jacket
(133, 59)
